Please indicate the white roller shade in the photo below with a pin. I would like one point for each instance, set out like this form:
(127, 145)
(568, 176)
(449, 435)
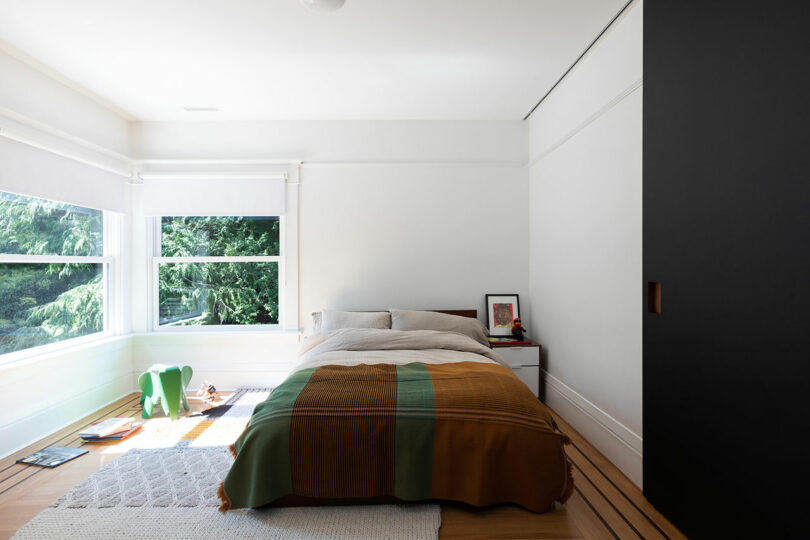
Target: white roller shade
(206, 196)
(30, 171)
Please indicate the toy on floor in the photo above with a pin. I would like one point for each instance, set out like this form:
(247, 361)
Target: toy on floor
(165, 385)
(209, 392)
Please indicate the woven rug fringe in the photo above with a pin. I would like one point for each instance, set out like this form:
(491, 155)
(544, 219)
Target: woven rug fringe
(226, 501)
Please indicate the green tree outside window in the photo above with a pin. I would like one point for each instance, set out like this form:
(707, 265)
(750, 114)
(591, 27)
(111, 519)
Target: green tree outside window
(219, 293)
(43, 303)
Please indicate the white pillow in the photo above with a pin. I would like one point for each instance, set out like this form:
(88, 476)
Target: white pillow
(403, 319)
(335, 320)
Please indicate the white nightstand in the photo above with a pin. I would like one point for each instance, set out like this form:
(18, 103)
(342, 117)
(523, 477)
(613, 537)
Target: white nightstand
(524, 360)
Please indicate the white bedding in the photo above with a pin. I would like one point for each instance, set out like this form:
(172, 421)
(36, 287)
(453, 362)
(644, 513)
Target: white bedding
(355, 346)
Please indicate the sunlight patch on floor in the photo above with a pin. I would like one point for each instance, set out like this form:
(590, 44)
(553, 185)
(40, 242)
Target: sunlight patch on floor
(222, 433)
(193, 426)
(158, 433)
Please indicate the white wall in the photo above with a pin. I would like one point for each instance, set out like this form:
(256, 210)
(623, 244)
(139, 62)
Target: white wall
(412, 236)
(226, 360)
(334, 142)
(585, 243)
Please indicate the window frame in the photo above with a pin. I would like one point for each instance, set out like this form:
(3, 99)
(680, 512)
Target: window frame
(156, 259)
(112, 286)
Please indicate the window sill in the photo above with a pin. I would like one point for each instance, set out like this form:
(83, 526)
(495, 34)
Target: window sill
(17, 359)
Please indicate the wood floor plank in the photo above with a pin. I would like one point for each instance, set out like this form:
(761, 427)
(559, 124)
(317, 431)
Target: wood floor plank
(624, 485)
(590, 525)
(506, 522)
(613, 519)
(645, 527)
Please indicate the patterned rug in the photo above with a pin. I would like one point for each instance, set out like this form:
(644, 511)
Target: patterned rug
(170, 492)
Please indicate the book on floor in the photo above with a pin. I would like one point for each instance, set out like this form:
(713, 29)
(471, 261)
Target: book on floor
(108, 427)
(121, 435)
(53, 456)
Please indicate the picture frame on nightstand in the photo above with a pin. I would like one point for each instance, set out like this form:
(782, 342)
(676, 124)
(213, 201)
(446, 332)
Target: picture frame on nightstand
(502, 309)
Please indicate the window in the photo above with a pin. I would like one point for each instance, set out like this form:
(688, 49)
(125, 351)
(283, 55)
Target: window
(216, 271)
(54, 275)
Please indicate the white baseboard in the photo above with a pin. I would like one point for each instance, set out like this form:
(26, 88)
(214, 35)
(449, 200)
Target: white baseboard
(616, 441)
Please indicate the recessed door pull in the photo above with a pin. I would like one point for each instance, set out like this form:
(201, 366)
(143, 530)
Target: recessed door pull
(654, 297)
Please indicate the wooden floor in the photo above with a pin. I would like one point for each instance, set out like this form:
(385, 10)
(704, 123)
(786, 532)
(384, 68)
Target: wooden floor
(605, 503)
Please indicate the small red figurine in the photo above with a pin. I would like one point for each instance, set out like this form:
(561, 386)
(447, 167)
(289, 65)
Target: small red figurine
(517, 330)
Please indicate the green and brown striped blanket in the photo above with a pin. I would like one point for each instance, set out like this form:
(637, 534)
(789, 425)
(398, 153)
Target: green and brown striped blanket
(466, 431)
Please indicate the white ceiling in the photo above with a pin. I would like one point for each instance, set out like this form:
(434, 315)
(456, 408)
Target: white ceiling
(274, 59)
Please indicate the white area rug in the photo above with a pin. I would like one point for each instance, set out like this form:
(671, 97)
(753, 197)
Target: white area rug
(411, 522)
(170, 493)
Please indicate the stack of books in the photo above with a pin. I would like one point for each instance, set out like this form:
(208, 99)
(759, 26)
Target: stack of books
(111, 429)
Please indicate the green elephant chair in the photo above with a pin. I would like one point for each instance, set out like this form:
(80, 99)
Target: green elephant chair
(165, 385)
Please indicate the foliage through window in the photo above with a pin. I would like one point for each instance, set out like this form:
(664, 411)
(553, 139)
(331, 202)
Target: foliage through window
(218, 271)
(51, 272)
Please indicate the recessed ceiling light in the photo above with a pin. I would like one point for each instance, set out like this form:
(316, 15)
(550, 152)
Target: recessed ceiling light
(201, 109)
(323, 5)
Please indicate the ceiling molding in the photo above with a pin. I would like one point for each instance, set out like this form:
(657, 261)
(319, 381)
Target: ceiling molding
(584, 53)
(519, 164)
(32, 62)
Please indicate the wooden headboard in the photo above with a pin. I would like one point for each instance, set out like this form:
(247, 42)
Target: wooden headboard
(471, 313)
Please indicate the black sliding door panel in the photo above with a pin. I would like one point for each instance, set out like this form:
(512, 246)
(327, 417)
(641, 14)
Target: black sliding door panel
(727, 236)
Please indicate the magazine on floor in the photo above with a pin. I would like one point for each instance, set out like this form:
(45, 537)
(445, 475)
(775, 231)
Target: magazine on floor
(107, 427)
(121, 435)
(53, 456)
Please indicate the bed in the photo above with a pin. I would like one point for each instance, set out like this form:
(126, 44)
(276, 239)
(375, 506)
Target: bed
(375, 415)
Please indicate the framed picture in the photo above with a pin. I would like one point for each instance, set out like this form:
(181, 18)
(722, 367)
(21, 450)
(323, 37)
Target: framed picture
(502, 309)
